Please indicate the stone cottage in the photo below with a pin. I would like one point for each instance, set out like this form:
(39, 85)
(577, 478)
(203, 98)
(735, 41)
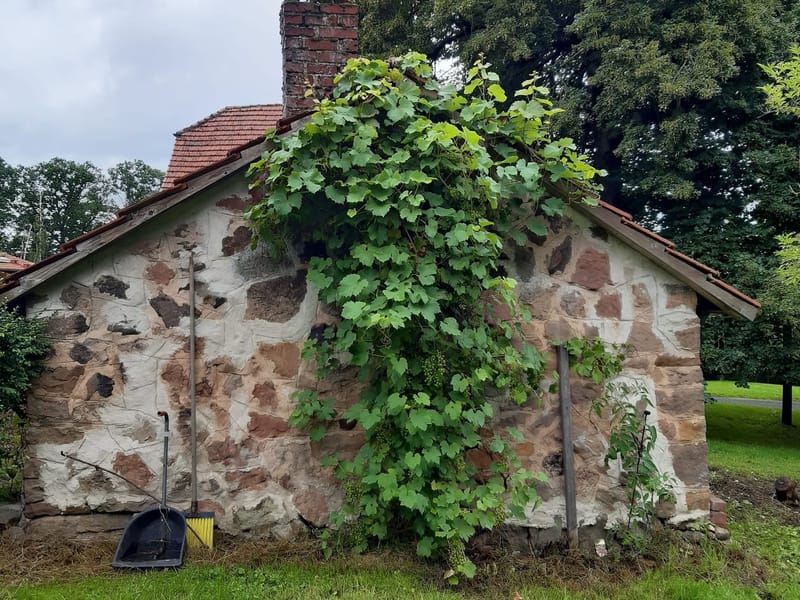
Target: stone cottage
(118, 308)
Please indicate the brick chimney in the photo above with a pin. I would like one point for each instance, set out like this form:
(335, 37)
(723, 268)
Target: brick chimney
(317, 39)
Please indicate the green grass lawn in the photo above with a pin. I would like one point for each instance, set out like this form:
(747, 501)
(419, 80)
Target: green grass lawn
(751, 440)
(755, 391)
(709, 577)
(278, 582)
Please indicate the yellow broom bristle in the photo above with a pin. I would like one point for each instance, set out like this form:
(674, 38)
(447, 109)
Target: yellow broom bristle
(200, 530)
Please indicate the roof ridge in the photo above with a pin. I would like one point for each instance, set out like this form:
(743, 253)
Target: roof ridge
(219, 112)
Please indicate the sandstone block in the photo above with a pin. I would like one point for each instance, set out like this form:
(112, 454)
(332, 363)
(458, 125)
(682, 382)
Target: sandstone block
(720, 519)
(222, 451)
(689, 461)
(41, 509)
(159, 273)
(247, 480)
(670, 360)
(238, 241)
(99, 384)
(285, 357)
(680, 401)
(266, 395)
(691, 430)
(67, 324)
(54, 434)
(574, 304)
(133, 467)
(234, 203)
(70, 527)
(266, 426)
(276, 300)
(609, 306)
(673, 377)
(716, 504)
(169, 310)
(80, 353)
(112, 286)
(560, 257)
(72, 295)
(689, 338)
(642, 338)
(680, 295)
(592, 269)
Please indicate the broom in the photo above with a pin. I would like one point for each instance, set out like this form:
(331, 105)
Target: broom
(200, 525)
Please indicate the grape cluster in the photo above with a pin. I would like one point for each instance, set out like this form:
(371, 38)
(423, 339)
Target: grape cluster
(455, 553)
(381, 435)
(500, 514)
(459, 464)
(356, 535)
(352, 492)
(433, 369)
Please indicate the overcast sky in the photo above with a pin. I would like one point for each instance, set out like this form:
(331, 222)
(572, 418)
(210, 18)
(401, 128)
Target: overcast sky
(112, 80)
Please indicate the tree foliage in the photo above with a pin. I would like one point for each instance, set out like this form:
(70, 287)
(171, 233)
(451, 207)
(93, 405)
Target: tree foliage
(783, 91)
(411, 187)
(132, 180)
(665, 97)
(44, 205)
(662, 95)
(23, 347)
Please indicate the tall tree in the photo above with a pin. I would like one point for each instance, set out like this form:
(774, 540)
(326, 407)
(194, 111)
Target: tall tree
(56, 201)
(8, 186)
(658, 93)
(132, 180)
(664, 96)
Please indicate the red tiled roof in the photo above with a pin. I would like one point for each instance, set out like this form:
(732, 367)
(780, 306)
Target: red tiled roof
(12, 264)
(212, 138)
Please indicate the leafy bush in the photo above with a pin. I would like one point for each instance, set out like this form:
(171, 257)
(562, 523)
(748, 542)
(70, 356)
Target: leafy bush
(11, 426)
(23, 347)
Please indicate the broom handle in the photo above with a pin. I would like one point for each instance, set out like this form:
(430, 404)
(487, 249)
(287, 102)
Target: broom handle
(192, 384)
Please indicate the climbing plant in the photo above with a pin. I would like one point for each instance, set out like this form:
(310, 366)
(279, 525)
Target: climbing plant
(404, 191)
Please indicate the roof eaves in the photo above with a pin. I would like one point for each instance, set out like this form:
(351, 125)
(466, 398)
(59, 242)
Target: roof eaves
(701, 278)
(134, 217)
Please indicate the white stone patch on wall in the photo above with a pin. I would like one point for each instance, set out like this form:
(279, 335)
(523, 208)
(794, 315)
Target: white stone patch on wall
(129, 265)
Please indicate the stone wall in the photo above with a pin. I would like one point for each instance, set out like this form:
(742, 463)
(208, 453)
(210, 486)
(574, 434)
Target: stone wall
(583, 282)
(120, 324)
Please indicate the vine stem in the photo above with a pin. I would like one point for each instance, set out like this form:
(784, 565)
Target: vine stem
(639, 452)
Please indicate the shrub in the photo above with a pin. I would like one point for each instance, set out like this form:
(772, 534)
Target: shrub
(23, 347)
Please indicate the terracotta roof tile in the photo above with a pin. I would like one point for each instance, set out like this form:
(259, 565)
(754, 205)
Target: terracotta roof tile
(211, 139)
(12, 264)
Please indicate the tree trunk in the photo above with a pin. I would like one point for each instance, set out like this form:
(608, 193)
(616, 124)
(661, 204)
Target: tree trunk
(786, 405)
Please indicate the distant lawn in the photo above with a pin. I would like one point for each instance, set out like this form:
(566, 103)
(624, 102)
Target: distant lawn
(751, 439)
(756, 391)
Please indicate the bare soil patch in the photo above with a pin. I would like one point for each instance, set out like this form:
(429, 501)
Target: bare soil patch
(759, 492)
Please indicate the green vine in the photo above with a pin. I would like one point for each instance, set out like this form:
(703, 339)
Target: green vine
(410, 188)
(632, 438)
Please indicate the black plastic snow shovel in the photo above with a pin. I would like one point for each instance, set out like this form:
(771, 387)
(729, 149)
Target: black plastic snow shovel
(155, 538)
